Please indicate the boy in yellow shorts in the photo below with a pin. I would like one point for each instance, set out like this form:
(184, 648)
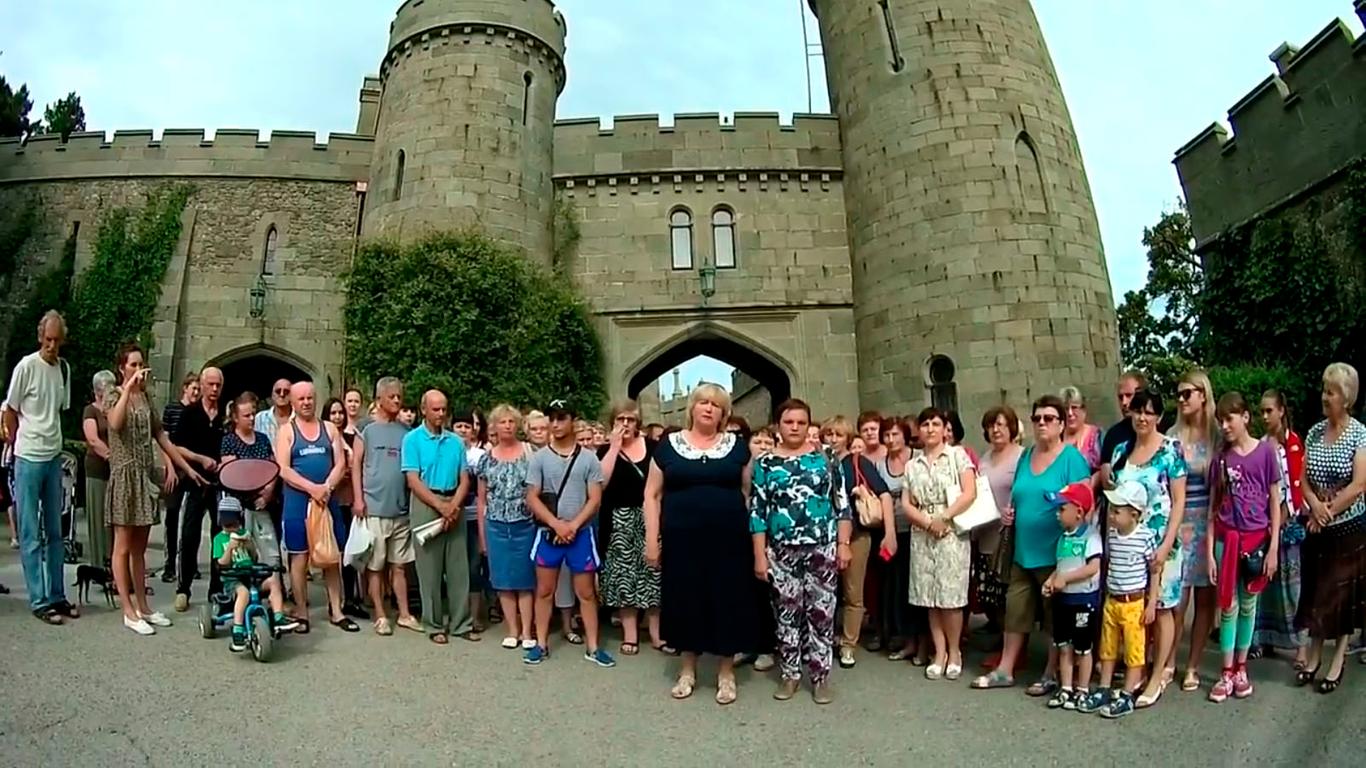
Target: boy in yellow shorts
(1130, 600)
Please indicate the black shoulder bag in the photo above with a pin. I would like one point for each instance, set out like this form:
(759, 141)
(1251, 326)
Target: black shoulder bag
(552, 500)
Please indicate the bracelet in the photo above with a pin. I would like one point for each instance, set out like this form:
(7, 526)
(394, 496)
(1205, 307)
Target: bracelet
(842, 543)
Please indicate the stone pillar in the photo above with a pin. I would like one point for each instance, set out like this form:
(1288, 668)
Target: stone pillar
(464, 136)
(972, 232)
(370, 91)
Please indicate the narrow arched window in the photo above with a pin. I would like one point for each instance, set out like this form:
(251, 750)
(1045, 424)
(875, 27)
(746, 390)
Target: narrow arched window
(268, 254)
(680, 235)
(526, 97)
(398, 175)
(893, 45)
(943, 391)
(723, 237)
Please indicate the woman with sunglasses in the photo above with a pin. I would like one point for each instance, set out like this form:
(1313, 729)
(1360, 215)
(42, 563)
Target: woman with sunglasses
(1045, 467)
(1195, 430)
(1155, 460)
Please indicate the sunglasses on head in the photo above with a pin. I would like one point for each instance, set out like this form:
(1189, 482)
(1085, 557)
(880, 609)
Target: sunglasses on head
(1043, 418)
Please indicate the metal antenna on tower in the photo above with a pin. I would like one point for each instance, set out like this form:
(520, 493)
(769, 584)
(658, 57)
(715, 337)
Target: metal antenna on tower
(811, 51)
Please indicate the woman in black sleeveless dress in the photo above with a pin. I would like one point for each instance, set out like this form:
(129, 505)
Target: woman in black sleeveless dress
(697, 530)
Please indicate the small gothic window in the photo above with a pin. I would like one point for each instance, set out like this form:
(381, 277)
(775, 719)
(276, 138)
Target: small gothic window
(1029, 178)
(943, 391)
(898, 63)
(680, 235)
(268, 255)
(723, 237)
(526, 97)
(398, 175)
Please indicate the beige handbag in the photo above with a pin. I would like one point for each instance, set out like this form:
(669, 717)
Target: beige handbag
(867, 506)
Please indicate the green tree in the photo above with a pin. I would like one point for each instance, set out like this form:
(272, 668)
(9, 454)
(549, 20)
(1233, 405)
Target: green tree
(1160, 329)
(65, 116)
(14, 109)
(459, 313)
(52, 290)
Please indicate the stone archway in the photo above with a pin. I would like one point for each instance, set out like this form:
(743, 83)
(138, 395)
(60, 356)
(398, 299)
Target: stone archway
(761, 384)
(256, 367)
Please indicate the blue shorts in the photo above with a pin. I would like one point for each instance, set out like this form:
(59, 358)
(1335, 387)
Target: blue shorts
(295, 527)
(580, 555)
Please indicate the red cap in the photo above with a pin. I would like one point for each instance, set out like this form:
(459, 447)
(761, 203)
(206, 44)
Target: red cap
(1078, 493)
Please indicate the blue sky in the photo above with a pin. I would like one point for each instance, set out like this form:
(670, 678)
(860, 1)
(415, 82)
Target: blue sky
(1141, 78)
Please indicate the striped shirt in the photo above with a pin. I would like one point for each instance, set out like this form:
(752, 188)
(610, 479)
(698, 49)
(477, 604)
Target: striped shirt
(1129, 559)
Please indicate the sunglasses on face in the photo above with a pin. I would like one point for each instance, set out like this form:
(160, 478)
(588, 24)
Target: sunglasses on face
(1185, 394)
(1043, 418)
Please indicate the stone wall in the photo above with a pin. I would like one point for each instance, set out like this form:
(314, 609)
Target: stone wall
(971, 224)
(1292, 135)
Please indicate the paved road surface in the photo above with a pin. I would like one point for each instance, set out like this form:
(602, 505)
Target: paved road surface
(93, 693)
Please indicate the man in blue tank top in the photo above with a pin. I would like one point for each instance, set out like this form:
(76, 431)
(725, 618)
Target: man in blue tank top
(312, 461)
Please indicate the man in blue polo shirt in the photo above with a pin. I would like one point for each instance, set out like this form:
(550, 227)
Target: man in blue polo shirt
(433, 462)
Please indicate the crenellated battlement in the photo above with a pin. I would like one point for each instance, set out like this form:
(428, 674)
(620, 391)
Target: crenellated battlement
(230, 153)
(471, 34)
(1299, 127)
(697, 144)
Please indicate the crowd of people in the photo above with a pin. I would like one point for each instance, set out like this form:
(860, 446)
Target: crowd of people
(796, 545)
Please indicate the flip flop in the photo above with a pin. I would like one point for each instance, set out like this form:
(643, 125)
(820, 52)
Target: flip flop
(345, 624)
(630, 649)
(1044, 686)
(573, 638)
(665, 648)
(993, 679)
(439, 638)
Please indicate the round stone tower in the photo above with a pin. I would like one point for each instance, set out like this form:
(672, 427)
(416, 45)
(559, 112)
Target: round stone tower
(466, 119)
(977, 263)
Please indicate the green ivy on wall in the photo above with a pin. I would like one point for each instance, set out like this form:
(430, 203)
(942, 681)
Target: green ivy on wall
(52, 290)
(459, 313)
(16, 227)
(566, 234)
(115, 299)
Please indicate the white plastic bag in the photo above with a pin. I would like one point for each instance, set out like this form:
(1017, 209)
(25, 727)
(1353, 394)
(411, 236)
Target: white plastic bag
(359, 544)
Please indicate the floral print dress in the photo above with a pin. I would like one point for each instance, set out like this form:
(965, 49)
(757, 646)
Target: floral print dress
(133, 497)
(939, 567)
(1156, 476)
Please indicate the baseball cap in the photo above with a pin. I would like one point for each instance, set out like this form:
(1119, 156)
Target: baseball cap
(229, 511)
(558, 408)
(1078, 493)
(1129, 493)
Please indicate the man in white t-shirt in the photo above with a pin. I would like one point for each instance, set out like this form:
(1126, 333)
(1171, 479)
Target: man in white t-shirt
(39, 390)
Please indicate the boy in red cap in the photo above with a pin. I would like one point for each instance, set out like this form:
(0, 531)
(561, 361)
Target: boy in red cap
(1074, 589)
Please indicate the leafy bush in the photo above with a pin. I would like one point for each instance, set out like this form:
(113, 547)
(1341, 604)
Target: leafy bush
(1300, 390)
(52, 290)
(459, 313)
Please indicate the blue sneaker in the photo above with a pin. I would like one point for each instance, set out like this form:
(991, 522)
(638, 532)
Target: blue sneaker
(239, 640)
(1122, 705)
(535, 655)
(1095, 701)
(600, 657)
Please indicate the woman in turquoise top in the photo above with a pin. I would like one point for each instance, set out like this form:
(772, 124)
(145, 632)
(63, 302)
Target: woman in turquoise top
(1046, 467)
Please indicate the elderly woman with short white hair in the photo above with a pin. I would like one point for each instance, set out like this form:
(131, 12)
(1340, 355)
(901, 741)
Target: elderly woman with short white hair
(695, 503)
(1333, 555)
(95, 429)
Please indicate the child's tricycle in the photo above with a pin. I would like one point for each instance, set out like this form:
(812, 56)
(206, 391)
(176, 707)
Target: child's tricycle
(261, 630)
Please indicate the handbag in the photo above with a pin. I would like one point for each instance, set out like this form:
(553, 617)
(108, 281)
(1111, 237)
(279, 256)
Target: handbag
(867, 506)
(1251, 563)
(552, 500)
(980, 512)
(322, 542)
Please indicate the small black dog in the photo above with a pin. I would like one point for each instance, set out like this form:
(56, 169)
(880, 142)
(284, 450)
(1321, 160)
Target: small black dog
(93, 574)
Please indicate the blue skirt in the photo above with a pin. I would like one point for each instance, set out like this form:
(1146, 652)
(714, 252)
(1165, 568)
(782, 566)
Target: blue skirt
(510, 566)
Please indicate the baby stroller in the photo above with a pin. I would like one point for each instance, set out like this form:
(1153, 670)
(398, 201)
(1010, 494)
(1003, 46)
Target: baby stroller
(243, 479)
(72, 550)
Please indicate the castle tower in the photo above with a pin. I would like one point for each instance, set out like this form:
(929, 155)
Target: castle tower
(977, 263)
(464, 130)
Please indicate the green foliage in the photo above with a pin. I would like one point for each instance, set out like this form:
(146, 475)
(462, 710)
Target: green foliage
(1252, 381)
(457, 312)
(65, 116)
(52, 290)
(14, 109)
(115, 299)
(1162, 319)
(16, 227)
(566, 234)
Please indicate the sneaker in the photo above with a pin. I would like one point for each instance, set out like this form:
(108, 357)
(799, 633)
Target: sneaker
(139, 626)
(1222, 689)
(182, 603)
(1242, 685)
(157, 619)
(285, 623)
(1121, 705)
(1061, 699)
(1078, 696)
(847, 659)
(239, 640)
(535, 655)
(168, 575)
(1094, 702)
(765, 662)
(600, 657)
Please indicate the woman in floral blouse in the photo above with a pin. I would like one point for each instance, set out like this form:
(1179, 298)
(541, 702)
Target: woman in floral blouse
(799, 519)
(506, 531)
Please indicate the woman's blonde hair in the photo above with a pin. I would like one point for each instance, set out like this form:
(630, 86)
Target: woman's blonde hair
(1209, 431)
(838, 425)
(1071, 395)
(624, 406)
(714, 394)
(504, 411)
(1343, 378)
(534, 415)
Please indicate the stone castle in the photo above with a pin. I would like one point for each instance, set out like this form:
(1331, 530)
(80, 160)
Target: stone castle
(931, 242)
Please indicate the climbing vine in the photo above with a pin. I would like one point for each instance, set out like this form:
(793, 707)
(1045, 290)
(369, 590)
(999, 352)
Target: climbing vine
(114, 300)
(459, 313)
(16, 227)
(566, 234)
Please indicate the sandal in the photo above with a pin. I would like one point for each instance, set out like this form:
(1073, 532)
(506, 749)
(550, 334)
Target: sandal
(630, 649)
(345, 624)
(48, 615)
(684, 687)
(993, 679)
(1305, 676)
(1192, 681)
(1255, 652)
(665, 648)
(410, 623)
(1143, 700)
(1042, 687)
(472, 636)
(573, 638)
(66, 609)
(1327, 685)
(439, 638)
(302, 625)
(383, 628)
(726, 692)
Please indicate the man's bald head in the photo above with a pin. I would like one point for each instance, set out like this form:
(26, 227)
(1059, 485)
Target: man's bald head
(434, 409)
(210, 385)
(301, 396)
